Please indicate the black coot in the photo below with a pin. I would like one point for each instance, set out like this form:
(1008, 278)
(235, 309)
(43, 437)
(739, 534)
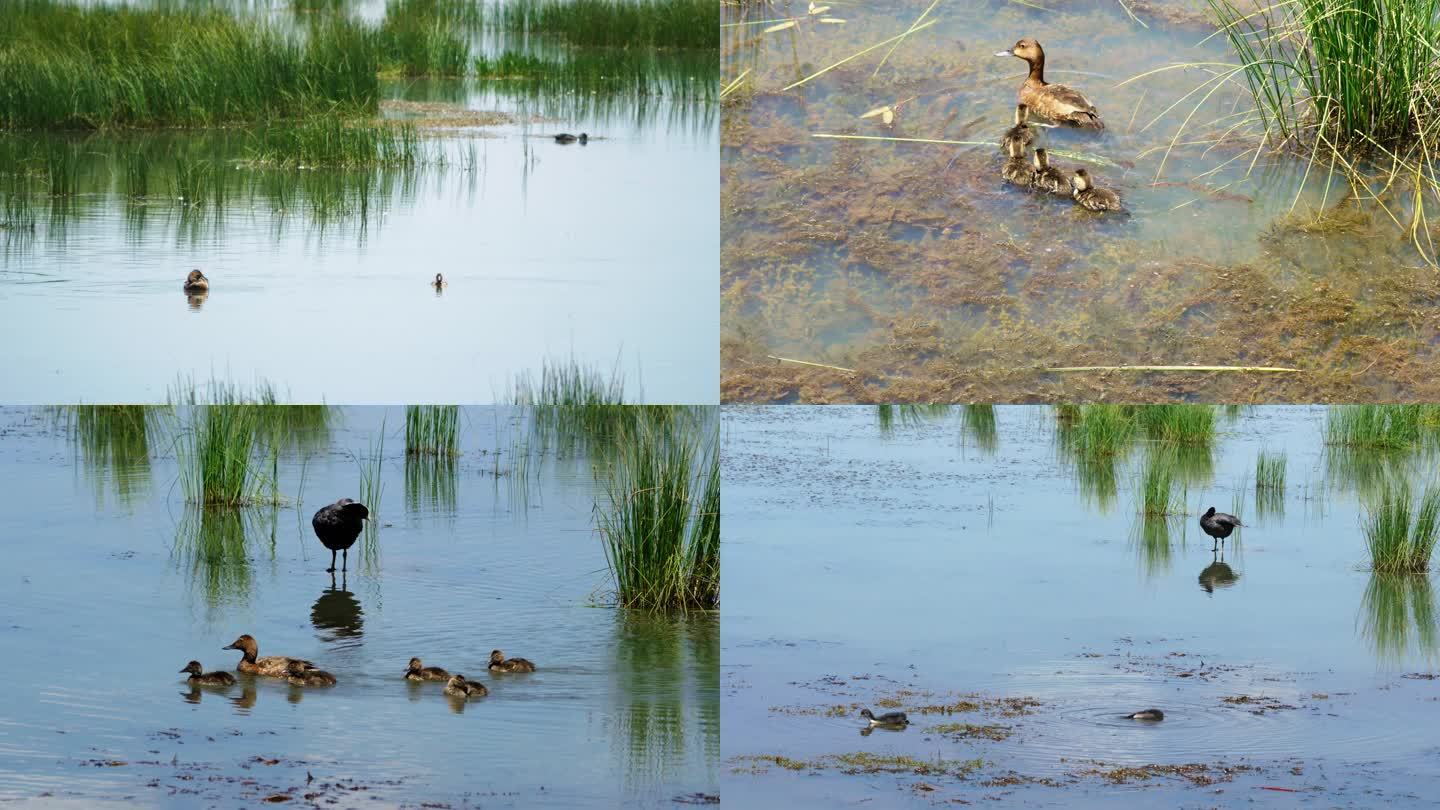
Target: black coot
(337, 526)
(1218, 524)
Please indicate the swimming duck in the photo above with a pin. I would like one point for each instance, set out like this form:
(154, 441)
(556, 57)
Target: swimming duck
(1094, 199)
(196, 282)
(1020, 132)
(337, 526)
(566, 137)
(1054, 101)
(415, 672)
(886, 719)
(1016, 171)
(439, 282)
(271, 666)
(198, 677)
(1148, 714)
(304, 673)
(499, 663)
(1219, 525)
(1047, 178)
(459, 687)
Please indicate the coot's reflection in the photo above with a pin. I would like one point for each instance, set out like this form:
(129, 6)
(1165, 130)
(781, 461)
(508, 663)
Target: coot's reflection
(1218, 574)
(337, 613)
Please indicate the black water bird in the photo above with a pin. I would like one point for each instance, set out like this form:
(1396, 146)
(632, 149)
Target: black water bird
(1219, 525)
(439, 283)
(1154, 715)
(566, 137)
(886, 719)
(337, 526)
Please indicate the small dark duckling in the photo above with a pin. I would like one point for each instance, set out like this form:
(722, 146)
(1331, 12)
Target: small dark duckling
(1148, 714)
(1016, 171)
(886, 719)
(1057, 102)
(439, 283)
(1047, 178)
(499, 663)
(198, 677)
(196, 282)
(304, 673)
(459, 687)
(271, 666)
(415, 672)
(566, 137)
(1091, 198)
(1020, 132)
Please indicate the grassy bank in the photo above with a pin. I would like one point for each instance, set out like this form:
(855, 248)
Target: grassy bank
(616, 23)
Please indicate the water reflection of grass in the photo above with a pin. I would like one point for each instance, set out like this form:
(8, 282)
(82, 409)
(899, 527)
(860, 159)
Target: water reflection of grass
(213, 543)
(1397, 616)
(1270, 484)
(1369, 448)
(667, 675)
(429, 483)
(114, 443)
(1178, 442)
(1151, 537)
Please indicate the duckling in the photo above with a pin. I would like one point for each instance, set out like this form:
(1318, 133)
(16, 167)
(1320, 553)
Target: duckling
(499, 663)
(196, 282)
(1054, 101)
(886, 719)
(1148, 714)
(415, 672)
(271, 666)
(459, 687)
(1020, 132)
(304, 673)
(1047, 178)
(199, 677)
(566, 137)
(1091, 198)
(337, 526)
(1016, 171)
(439, 283)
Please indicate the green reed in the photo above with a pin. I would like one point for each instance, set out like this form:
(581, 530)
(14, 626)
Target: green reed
(334, 142)
(1399, 537)
(616, 23)
(424, 37)
(978, 421)
(72, 66)
(1381, 427)
(1270, 472)
(1161, 492)
(432, 430)
(372, 490)
(660, 514)
(626, 74)
(221, 460)
(1180, 424)
(1101, 430)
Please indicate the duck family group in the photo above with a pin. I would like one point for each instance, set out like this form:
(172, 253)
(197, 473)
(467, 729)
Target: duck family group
(337, 526)
(1065, 106)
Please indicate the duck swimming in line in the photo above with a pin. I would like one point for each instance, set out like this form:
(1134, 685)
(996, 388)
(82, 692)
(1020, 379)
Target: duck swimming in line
(459, 687)
(1219, 526)
(415, 672)
(566, 137)
(1091, 198)
(439, 283)
(1020, 132)
(1047, 178)
(304, 673)
(198, 677)
(337, 526)
(1057, 102)
(1016, 171)
(271, 666)
(499, 663)
(1149, 714)
(196, 282)
(886, 719)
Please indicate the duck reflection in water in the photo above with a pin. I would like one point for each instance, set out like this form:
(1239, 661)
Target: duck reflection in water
(337, 613)
(243, 702)
(1218, 574)
(196, 300)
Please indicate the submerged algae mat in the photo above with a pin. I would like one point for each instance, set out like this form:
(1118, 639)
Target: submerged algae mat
(916, 270)
(963, 567)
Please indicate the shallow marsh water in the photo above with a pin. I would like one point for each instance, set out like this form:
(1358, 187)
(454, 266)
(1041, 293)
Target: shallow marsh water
(320, 278)
(1015, 608)
(105, 599)
(915, 266)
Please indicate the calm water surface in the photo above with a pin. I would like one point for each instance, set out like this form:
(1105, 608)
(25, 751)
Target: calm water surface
(105, 599)
(930, 561)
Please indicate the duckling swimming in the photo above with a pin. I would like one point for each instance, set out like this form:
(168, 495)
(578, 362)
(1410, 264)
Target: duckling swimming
(566, 137)
(337, 526)
(1016, 171)
(196, 282)
(439, 283)
(1148, 714)
(459, 687)
(499, 663)
(886, 719)
(304, 673)
(415, 672)
(1020, 132)
(1047, 178)
(1094, 199)
(1054, 101)
(199, 677)
(271, 666)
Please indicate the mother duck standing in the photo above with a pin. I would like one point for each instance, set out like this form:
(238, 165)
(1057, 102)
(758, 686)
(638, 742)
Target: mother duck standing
(1061, 104)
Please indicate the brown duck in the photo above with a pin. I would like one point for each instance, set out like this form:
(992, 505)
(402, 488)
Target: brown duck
(199, 677)
(499, 663)
(1089, 197)
(1061, 104)
(439, 283)
(1016, 171)
(459, 687)
(196, 282)
(416, 672)
(1047, 178)
(1021, 132)
(271, 666)
(304, 673)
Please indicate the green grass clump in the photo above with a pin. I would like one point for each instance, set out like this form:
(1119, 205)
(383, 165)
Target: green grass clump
(1160, 492)
(1380, 427)
(1102, 430)
(1179, 424)
(423, 37)
(1270, 471)
(660, 515)
(220, 459)
(333, 142)
(616, 23)
(1401, 539)
(70, 66)
(432, 430)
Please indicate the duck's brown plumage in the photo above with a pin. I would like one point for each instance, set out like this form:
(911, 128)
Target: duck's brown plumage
(271, 666)
(1061, 104)
(416, 672)
(1021, 133)
(1047, 178)
(1091, 198)
(304, 673)
(439, 282)
(1016, 171)
(199, 677)
(457, 686)
(499, 663)
(196, 282)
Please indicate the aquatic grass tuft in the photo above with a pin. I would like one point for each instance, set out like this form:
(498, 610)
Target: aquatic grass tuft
(222, 459)
(1400, 538)
(372, 491)
(1270, 471)
(432, 430)
(333, 142)
(1161, 492)
(1381, 427)
(1180, 424)
(616, 23)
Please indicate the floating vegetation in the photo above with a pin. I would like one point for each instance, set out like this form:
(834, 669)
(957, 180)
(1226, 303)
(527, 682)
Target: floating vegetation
(616, 23)
(970, 731)
(432, 430)
(1399, 537)
(864, 762)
